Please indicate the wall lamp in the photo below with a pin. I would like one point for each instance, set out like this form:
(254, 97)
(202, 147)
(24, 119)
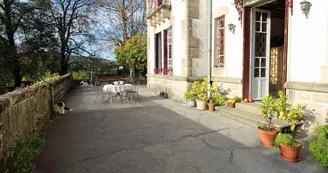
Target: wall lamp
(305, 7)
(232, 27)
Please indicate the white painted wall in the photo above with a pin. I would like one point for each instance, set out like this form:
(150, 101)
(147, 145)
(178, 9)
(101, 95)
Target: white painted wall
(178, 44)
(233, 42)
(308, 42)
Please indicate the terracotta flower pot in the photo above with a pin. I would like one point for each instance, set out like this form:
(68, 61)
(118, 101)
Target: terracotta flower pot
(250, 100)
(201, 104)
(289, 153)
(267, 138)
(211, 107)
(231, 105)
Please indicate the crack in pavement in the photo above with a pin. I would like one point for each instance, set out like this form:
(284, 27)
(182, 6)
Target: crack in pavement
(142, 148)
(231, 155)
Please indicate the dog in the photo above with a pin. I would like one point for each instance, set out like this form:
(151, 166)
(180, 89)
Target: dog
(60, 108)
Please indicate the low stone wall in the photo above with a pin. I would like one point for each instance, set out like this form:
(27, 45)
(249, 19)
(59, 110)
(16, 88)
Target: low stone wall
(230, 86)
(315, 95)
(23, 112)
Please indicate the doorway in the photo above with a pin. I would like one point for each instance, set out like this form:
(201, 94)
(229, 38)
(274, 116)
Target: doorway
(267, 49)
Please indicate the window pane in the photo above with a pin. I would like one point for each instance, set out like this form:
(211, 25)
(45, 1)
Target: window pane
(264, 27)
(264, 17)
(256, 72)
(258, 16)
(260, 44)
(263, 72)
(263, 62)
(257, 62)
(257, 26)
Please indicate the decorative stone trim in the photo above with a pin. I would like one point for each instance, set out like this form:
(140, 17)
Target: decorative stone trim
(177, 78)
(227, 80)
(305, 86)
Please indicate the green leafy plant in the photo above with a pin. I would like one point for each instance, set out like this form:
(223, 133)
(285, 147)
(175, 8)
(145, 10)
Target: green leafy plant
(219, 100)
(231, 101)
(47, 77)
(295, 115)
(286, 139)
(267, 110)
(321, 131)
(200, 89)
(80, 75)
(24, 151)
(282, 105)
(319, 147)
(190, 95)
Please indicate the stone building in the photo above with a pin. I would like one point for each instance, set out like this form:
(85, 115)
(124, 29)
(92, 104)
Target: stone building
(258, 48)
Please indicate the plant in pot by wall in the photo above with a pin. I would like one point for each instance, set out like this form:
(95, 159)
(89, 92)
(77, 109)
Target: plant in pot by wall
(289, 148)
(190, 97)
(282, 106)
(200, 89)
(211, 105)
(219, 100)
(267, 132)
(295, 115)
(231, 103)
(319, 147)
(214, 91)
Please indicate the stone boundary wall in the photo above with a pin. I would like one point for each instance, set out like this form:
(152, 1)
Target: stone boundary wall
(315, 95)
(23, 112)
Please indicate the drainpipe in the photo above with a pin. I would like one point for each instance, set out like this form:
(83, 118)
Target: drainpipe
(209, 45)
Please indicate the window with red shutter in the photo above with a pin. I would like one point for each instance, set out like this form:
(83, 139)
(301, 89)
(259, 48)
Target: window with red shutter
(220, 30)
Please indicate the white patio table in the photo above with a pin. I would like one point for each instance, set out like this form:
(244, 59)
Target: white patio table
(117, 88)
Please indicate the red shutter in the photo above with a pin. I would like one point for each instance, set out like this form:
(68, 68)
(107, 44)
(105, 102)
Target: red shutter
(155, 52)
(165, 52)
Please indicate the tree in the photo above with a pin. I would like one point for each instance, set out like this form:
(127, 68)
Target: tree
(133, 54)
(18, 27)
(123, 19)
(74, 24)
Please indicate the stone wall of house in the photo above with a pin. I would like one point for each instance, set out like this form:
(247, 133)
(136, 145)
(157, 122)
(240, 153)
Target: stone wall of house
(174, 86)
(315, 95)
(23, 112)
(230, 86)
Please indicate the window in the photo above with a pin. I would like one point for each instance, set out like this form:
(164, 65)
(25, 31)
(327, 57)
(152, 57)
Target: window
(163, 55)
(220, 28)
(169, 49)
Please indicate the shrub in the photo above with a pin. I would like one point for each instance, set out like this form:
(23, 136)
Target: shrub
(321, 131)
(190, 95)
(319, 147)
(219, 100)
(80, 75)
(286, 139)
(25, 150)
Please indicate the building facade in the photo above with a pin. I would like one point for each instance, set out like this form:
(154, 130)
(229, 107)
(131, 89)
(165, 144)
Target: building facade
(258, 48)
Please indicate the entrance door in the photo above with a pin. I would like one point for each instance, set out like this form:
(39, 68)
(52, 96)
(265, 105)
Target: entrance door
(260, 59)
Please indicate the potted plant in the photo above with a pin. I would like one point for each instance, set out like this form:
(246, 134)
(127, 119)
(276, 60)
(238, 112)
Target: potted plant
(214, 91)
(200, 89)
(190, 97)
(289, 148)
(267, 132)
(231, 103)
(211, 105)
(282, 106)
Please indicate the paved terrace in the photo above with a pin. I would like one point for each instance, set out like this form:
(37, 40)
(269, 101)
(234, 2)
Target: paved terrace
(153, 136)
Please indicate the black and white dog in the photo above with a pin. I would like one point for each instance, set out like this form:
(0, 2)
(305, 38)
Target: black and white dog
(60, 108)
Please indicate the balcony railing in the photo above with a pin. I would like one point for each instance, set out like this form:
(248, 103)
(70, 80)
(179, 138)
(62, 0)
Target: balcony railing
(154, 4)
(163, 71)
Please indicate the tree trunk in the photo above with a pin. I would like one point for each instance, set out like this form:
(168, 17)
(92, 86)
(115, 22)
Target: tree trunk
(17, 75)
(63, 65)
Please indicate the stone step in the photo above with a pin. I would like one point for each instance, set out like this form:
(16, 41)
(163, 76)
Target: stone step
(249, 118)
(250, 107)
